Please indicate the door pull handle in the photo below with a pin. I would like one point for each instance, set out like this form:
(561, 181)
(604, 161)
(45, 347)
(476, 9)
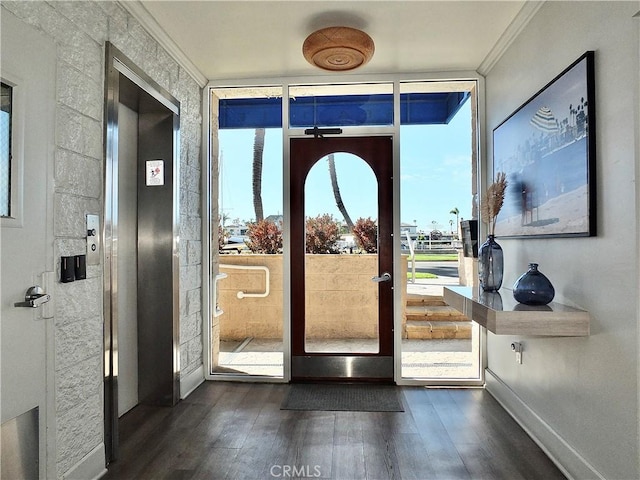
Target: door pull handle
(386, 276)
(34, 297)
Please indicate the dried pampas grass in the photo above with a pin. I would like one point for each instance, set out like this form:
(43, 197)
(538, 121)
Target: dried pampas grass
(492, 201)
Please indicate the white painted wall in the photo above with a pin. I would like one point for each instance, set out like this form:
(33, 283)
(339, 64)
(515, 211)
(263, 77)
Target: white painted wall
(580, 395)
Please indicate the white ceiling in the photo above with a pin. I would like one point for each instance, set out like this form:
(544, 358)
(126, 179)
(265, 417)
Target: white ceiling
(262, 38)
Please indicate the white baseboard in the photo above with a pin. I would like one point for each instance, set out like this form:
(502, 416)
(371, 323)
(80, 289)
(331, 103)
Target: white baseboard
(570, 462)
(91, 467)
(191, 381)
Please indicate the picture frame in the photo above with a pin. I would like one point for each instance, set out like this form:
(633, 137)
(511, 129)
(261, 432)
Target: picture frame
(547, 150)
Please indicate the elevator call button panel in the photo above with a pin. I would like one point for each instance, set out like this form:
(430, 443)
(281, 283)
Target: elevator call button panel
(93, 240)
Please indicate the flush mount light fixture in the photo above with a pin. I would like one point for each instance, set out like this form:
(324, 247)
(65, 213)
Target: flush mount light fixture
(338, 48)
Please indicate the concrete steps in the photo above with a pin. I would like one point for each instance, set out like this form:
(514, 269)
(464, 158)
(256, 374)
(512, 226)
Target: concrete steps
(429, 317)
(415, 299)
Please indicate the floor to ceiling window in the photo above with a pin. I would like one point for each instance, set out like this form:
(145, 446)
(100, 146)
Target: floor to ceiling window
(247, 332)
(436, 162)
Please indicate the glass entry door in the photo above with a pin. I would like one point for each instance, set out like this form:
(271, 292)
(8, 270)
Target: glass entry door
(342, 267)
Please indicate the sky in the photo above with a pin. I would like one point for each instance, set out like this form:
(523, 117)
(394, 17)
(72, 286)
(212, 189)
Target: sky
(435, 176)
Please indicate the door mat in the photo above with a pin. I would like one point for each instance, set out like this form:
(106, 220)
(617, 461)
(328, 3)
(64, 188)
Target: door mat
(343, 397)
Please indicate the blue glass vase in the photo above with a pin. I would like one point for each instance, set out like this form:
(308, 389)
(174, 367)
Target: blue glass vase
(490, 265)
(533, 287)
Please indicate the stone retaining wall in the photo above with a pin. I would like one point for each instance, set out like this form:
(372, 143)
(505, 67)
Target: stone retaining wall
(341, 299)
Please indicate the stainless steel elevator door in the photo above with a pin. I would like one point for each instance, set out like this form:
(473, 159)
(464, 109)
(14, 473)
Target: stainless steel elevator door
(127, 258)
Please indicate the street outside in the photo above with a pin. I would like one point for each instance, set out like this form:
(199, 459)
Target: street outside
(447, 269)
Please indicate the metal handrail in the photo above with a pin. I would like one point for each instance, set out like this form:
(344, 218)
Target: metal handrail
(242, 294)
(412, 256)
(217, 311)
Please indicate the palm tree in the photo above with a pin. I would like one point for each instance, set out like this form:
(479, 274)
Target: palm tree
(225, 217)
(455, 212)
(336, 192)
(258, 149)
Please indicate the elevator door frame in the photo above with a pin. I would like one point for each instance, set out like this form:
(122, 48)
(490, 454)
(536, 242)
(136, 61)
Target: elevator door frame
(126, 83)
(377, 152)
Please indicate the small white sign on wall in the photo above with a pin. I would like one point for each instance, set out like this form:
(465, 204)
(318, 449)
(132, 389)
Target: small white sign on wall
(155, 173)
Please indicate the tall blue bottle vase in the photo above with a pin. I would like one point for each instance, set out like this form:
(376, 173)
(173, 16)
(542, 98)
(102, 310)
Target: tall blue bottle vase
(490, 265)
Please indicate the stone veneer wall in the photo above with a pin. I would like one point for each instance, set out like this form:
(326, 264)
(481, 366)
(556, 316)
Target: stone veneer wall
(80, 30)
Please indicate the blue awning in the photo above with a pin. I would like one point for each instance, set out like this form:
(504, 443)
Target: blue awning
(341, 110)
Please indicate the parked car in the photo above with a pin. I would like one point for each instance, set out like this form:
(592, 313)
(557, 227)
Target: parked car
(235, 245)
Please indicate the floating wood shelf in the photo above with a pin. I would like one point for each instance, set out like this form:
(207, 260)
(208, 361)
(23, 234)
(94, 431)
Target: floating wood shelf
(501, 314)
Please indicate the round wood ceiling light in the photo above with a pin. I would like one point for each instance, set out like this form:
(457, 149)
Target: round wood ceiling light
(338, 48)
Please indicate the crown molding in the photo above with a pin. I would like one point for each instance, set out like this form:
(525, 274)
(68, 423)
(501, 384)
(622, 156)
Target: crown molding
(524, 16)
(142, 15)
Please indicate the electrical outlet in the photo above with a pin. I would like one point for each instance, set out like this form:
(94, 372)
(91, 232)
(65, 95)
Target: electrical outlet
(517, 348)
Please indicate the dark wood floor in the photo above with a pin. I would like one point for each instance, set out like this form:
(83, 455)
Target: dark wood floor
(237, 431)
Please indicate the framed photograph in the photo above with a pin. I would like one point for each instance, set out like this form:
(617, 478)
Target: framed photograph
(547, 149)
